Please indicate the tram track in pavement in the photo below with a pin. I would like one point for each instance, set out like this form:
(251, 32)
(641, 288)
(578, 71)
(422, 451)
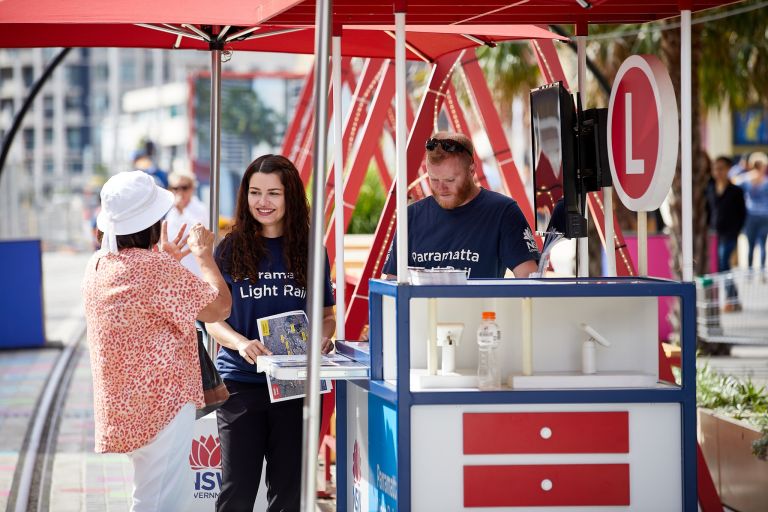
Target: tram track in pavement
(31, 489)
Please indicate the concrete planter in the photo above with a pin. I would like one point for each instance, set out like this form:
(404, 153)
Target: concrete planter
(741, 479)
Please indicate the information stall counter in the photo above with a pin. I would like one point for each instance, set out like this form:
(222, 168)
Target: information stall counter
(552, 438)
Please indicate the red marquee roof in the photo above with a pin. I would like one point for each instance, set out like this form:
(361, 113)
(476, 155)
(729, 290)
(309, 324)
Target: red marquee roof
(423, 42)
(347, 12)
(495, 12)
(435, 27)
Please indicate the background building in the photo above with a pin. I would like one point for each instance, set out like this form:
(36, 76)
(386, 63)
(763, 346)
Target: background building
(74, 136)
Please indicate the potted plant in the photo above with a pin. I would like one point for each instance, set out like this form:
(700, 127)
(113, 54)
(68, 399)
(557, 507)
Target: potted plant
(733, 433)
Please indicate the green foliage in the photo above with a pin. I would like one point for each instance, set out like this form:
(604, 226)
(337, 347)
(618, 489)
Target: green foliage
(510, 69)
(369, 204)
(734, 62)
(737, 398)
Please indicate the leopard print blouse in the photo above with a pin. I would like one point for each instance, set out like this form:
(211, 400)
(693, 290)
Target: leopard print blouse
(140, 310)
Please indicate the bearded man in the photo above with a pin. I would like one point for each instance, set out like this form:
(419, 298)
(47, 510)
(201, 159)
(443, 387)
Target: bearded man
(462, 225)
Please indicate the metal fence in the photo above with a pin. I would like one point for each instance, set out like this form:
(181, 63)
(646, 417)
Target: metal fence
(732, 307)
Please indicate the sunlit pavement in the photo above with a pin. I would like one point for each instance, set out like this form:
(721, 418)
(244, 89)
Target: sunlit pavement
(23, 374)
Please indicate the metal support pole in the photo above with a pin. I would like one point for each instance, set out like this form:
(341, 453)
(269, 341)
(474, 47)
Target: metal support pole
(686, 144)
(610, 246)
(215, 156)
(582, 243)
(315, 275)
(215, 140)
(642, 243)
(338, 189)
(400, 147)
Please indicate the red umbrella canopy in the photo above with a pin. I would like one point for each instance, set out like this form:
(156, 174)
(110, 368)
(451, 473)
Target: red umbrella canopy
(424, 42)
(220, 12)
(498, 12)
(346, 12)
(435, 27)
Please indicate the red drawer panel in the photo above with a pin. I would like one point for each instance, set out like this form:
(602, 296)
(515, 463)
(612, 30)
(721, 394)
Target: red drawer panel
(546, 432)
(546, 485)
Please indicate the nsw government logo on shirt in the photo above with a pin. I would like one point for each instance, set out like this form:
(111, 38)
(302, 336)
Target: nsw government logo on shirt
(530, 240)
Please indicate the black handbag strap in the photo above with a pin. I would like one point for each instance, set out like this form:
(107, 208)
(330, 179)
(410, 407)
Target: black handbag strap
(210, 375)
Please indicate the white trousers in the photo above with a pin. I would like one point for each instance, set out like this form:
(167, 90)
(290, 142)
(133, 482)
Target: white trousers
(161, 481)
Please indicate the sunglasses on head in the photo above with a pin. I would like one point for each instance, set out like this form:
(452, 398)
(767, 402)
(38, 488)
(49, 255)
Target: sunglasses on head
(180, 188)
(448, 145)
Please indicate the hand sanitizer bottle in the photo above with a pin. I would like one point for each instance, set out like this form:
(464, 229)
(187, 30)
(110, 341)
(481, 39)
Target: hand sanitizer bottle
(488, 363)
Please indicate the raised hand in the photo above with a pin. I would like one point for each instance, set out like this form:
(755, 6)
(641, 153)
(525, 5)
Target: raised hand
(176, 247)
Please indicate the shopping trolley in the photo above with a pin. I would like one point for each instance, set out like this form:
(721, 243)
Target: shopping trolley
(732, 307)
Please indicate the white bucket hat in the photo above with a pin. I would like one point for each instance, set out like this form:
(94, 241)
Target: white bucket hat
(130, 202)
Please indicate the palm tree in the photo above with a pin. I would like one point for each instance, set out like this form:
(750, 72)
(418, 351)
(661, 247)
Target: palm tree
(511, 70)
(735, 64)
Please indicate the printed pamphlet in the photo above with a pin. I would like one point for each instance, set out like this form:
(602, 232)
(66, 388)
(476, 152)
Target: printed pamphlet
(287, 334)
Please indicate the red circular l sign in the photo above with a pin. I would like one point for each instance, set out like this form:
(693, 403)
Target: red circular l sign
(642, 133)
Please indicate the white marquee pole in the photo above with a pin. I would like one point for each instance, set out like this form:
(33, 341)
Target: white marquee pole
(582, 243)
(400, 150)
(686, 144)
(642, 243)
(338, 187)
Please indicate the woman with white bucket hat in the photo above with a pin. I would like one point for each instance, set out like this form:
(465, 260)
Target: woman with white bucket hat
(140, 308)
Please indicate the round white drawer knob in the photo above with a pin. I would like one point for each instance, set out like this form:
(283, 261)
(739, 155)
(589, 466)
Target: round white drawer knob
(546, 484)
(545, 433)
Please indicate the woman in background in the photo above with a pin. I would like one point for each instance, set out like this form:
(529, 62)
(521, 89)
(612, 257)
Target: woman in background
(726, 212)
(264, 262)
(140, 308)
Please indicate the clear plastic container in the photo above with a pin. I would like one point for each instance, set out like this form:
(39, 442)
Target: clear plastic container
(488, 362)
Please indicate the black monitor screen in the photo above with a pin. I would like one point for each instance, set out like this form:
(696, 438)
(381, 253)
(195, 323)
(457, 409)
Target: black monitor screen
(554, 171)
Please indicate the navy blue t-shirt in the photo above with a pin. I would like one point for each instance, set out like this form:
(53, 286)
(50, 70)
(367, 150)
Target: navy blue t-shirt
(275, 291)
(487, 235)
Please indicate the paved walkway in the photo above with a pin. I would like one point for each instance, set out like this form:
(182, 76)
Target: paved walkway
(83, 480)
(23, 374)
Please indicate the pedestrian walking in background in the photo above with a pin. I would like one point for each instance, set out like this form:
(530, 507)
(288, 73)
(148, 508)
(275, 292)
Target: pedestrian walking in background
(727, 212)
(755, 186)
(264, 261)
(145, 159)
(140, 308)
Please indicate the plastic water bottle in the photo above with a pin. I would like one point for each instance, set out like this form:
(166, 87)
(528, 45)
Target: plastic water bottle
(488, 363)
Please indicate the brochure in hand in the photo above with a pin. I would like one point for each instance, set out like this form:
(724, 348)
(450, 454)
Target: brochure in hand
(287, 334)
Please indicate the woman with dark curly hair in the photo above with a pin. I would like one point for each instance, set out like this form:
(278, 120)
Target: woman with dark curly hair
(264, 262)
